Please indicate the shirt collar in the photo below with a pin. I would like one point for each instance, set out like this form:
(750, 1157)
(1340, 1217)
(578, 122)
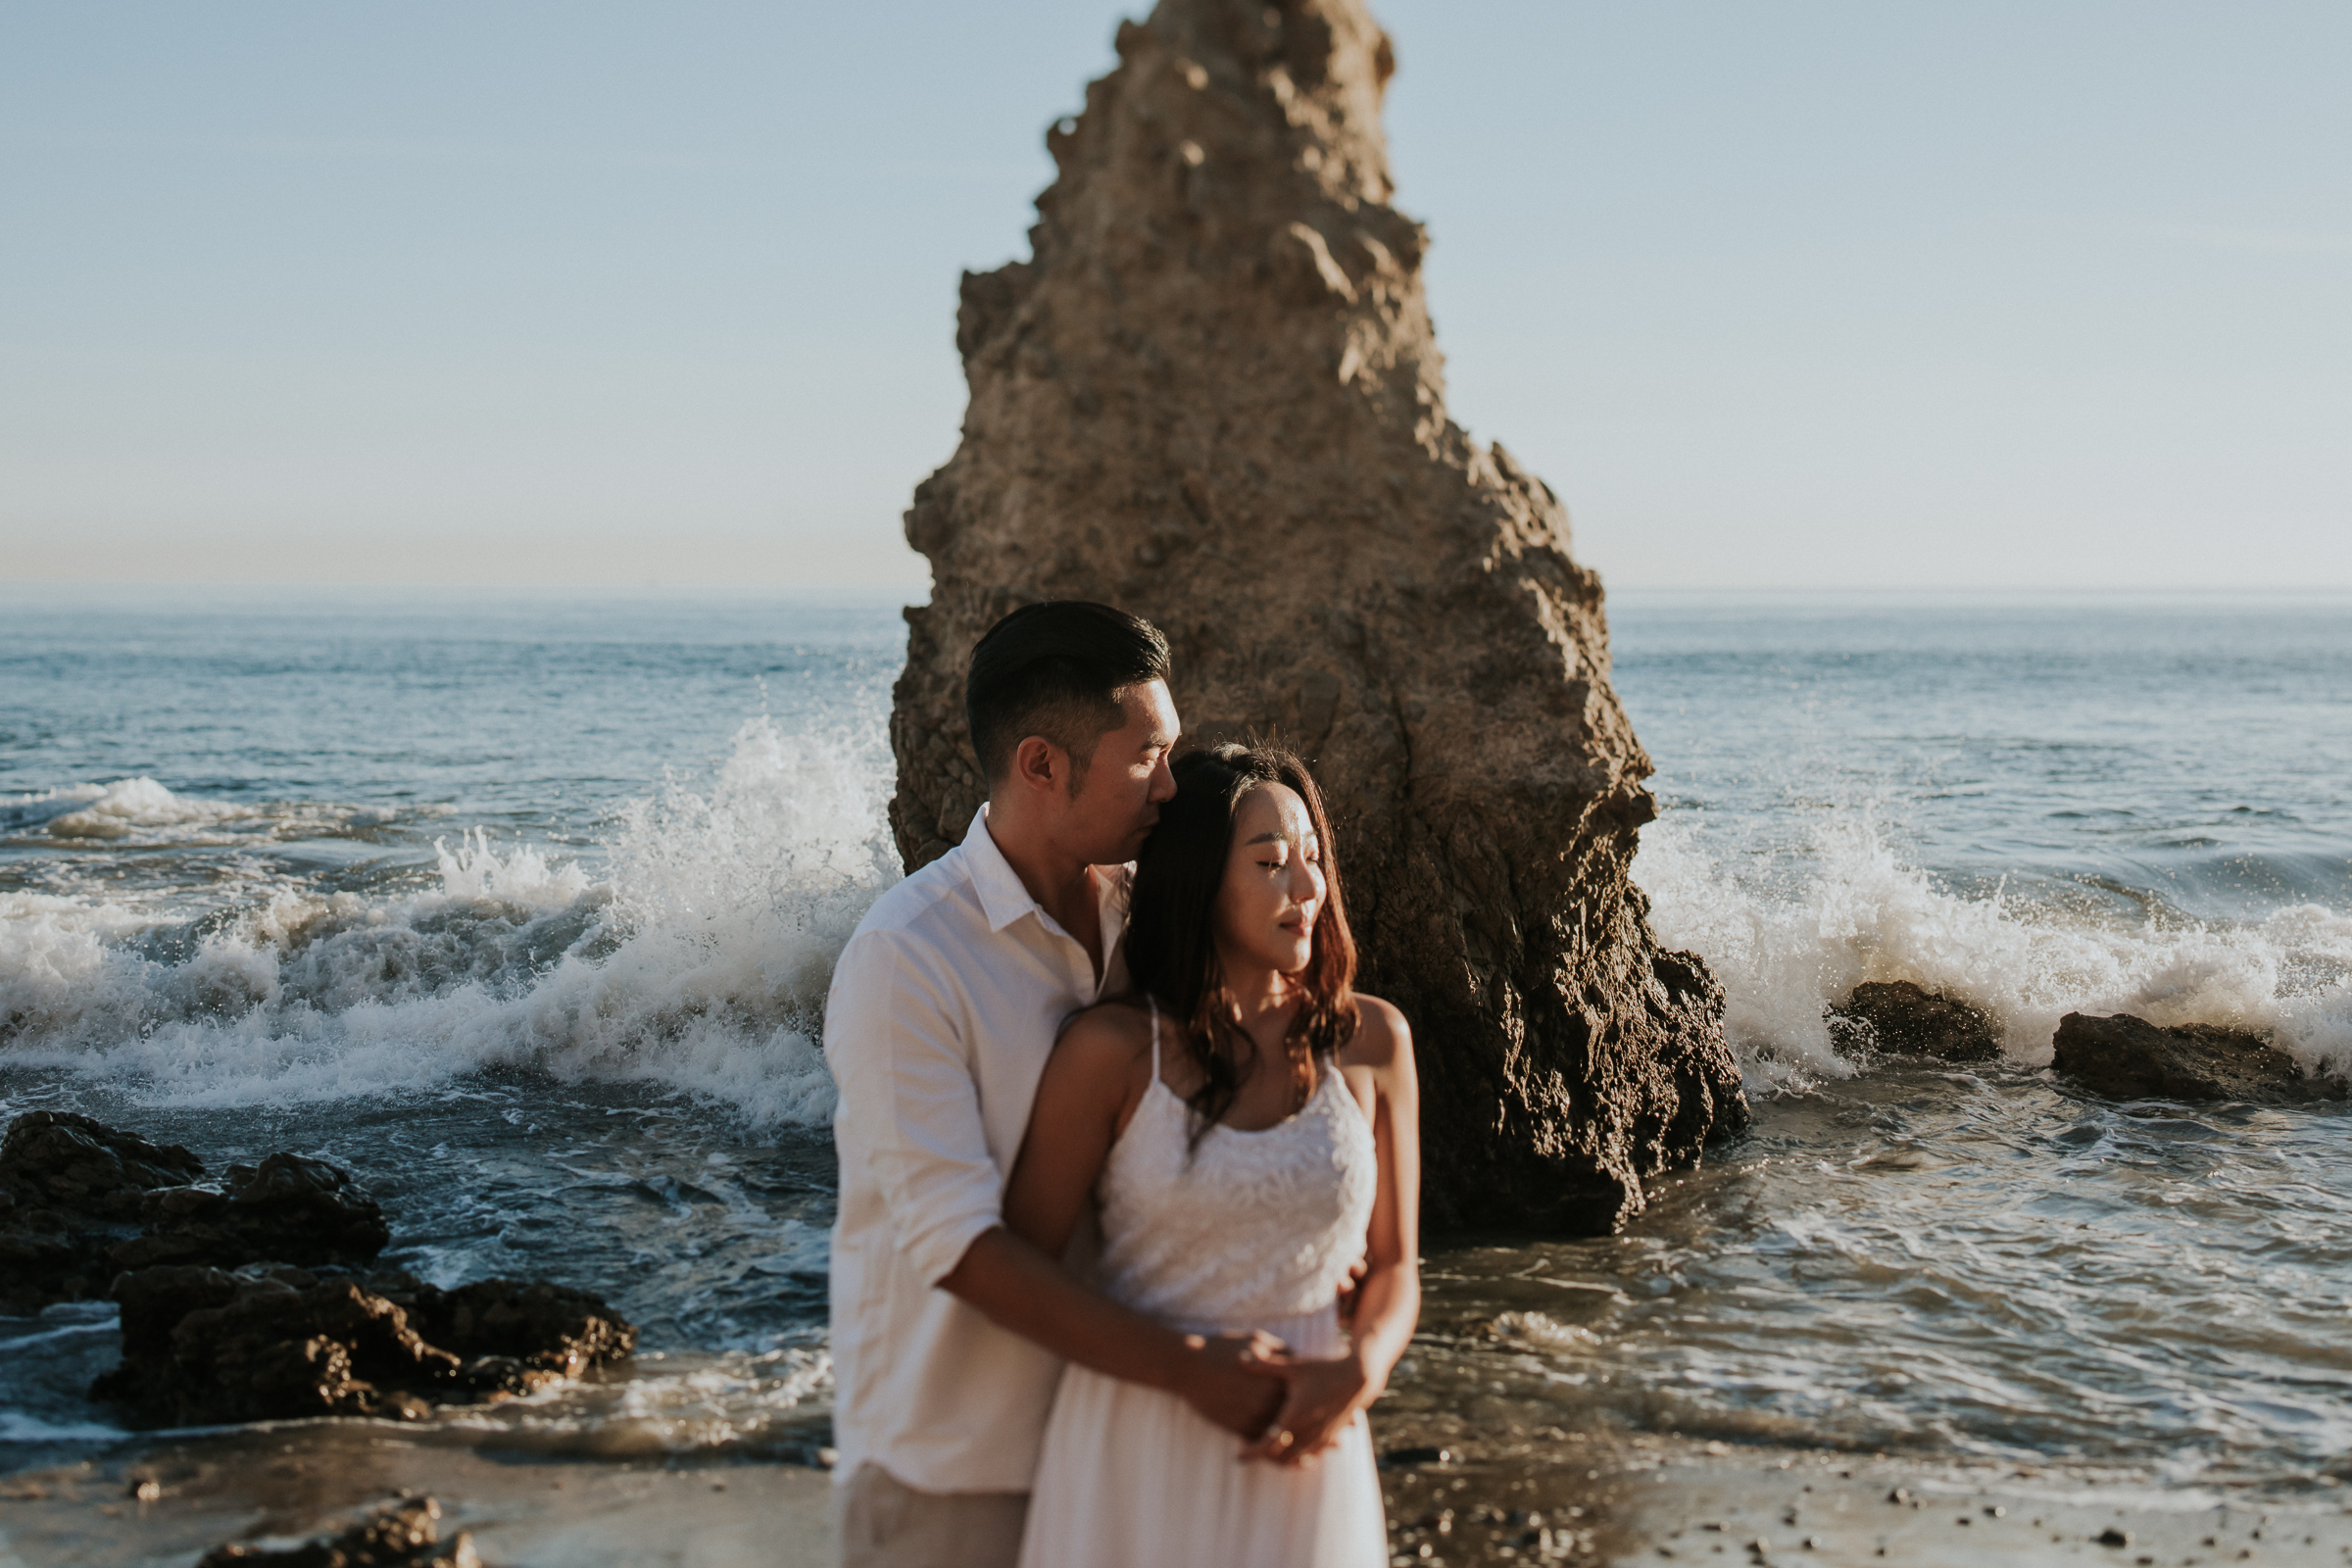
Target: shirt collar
(1003, 897)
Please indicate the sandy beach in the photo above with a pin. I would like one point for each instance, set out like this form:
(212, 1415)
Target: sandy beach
(1570, 1499)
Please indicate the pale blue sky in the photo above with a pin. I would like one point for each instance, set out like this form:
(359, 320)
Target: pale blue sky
(1988, 294)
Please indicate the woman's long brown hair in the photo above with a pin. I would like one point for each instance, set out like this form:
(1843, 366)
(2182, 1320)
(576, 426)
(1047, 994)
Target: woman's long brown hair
(1172, 927)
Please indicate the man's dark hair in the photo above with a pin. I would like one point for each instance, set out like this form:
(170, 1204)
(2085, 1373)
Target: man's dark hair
(1056, 669)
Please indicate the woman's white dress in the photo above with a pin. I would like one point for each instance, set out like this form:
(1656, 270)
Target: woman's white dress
(1254, 1230)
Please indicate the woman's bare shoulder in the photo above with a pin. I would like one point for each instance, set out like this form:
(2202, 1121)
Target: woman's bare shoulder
(1107, 1036)
(1382, 1037)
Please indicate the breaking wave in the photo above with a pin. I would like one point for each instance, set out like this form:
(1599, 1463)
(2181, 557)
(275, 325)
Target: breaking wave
(1790, 931)
(696, 960)
(141, 813)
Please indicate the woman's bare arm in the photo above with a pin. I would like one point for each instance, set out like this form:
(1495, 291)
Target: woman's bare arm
(1090, 1087)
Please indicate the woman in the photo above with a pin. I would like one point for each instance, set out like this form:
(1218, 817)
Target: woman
(1246, 1125)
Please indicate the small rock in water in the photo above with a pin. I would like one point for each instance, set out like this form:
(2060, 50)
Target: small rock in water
(2112, 1537)
(2131, 1058)
(1904, 1020)
(1417, 1456)
(287, 1210)
(69, 1188)
(404, 1534)
(81, 1203)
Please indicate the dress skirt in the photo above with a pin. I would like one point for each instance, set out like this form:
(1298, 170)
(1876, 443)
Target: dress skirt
(1132, 1476)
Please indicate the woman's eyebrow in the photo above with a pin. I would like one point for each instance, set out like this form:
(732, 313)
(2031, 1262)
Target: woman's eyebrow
(1267, 838)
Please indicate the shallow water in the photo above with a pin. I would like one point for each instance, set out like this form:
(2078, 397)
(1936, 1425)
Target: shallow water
(1946, 1263)
(521, 907)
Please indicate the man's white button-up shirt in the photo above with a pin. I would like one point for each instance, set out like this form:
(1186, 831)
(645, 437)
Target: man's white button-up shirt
(944, 1007)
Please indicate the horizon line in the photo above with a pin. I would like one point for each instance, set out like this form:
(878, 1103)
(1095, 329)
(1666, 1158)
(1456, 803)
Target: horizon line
(878, 588)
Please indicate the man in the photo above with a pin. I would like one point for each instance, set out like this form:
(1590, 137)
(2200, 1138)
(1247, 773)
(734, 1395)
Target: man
(948, 1331)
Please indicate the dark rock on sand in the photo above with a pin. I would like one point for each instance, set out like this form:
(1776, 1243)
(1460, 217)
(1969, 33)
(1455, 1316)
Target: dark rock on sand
(405, 1534)
(71, 1189)
(540, 1327)
(273, 1343)
(1903, 1019)
(1213, 397)
(2131, 1058)
(287, 1210)
(201, 1345)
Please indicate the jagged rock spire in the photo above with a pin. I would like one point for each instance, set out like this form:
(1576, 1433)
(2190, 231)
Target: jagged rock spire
(1213, 397)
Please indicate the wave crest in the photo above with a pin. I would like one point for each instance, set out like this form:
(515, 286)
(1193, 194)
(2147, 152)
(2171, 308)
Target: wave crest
(1792, 931)
(698, 963)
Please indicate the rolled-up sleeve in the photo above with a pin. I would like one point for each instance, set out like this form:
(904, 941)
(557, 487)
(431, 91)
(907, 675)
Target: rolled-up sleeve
(909, 1104)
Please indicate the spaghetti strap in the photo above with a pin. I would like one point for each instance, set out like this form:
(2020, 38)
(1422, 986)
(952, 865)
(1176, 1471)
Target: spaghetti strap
(1152, 1002)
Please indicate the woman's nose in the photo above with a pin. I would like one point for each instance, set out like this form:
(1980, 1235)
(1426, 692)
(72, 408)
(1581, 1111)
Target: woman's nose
(1306, 881)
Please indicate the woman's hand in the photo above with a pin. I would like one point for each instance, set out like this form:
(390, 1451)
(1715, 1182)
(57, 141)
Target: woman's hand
(1322, 1396)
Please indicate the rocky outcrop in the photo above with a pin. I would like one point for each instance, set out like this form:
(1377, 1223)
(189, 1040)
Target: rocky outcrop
(2131, 1058)
(80, 1202)
(404, 1534)
(201, 1347)
(1213, 397)
(532, 1325)
(204, 1346)
(287, 1210)
(1903, 1019)
(241, 1302)
(71, 1189)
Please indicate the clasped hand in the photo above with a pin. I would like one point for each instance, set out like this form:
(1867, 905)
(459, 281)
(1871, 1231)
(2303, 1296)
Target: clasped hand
(1321, 1394)
(1288, 1408)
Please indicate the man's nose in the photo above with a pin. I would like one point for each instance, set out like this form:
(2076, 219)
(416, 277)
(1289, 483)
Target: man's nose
(1163, 784)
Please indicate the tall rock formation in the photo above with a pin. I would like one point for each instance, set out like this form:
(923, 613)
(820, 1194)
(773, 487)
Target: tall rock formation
(1213, 397)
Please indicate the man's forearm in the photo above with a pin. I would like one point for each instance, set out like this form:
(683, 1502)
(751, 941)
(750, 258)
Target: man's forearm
(1021, 1288)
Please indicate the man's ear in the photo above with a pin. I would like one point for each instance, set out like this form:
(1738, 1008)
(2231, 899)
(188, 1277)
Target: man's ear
(1040, 765)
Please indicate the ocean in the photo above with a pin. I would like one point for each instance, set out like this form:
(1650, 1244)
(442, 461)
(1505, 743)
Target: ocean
(521, 905)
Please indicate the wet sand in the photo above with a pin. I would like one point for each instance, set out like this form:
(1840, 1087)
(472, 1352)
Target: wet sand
(1565, 1500)
(1655, 1501)
(289, 1483)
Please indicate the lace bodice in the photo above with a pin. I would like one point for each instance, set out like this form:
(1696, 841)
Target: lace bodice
(1250, 1227)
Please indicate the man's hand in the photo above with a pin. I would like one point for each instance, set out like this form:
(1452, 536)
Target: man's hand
(1351, 1292)
(1236, 1380)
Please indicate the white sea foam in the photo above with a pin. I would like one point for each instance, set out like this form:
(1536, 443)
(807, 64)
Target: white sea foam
(1790, 932)
(127, 805)
(700, 959)
(142, 813)
(699, 964)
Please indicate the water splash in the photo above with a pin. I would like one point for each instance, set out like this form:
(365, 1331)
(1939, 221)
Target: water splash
(1791, 930)
(698, 964)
